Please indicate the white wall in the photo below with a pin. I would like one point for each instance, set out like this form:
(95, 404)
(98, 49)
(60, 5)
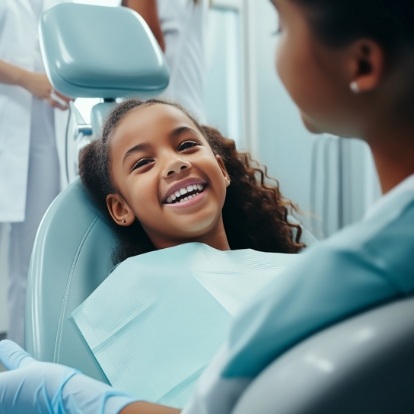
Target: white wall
(278, 138)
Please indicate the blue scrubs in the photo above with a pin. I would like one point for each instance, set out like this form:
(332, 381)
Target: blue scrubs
(361, 267)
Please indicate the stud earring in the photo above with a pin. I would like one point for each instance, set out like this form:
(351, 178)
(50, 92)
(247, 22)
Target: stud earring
(354, 87)
(123, 221)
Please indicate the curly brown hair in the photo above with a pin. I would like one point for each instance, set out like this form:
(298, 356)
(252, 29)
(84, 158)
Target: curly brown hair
(255, 214)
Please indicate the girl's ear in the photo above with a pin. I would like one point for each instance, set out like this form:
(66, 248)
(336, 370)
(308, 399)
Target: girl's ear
(223, 170)
(366, 65)
(119, 210)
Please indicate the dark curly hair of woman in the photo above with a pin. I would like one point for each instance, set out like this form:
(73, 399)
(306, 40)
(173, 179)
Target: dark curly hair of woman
(255, 214)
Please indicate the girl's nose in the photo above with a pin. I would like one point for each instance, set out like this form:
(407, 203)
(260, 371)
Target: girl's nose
(176, 166)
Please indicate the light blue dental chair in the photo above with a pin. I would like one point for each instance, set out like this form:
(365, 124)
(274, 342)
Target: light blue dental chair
(94, 52)
(362, 365)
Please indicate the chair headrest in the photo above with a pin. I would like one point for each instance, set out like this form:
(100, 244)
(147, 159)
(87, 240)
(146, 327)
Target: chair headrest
(101, 52)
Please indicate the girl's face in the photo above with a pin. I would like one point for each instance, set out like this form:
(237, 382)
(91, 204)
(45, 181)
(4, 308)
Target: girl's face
(167, 177)
(314, 75)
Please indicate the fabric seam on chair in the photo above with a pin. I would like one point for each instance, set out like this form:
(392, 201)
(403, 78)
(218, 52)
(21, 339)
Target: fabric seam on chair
(56, 353)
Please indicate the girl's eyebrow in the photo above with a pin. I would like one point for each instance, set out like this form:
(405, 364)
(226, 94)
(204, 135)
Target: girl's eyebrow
(175, 133)
(180, 130)
(136, 148)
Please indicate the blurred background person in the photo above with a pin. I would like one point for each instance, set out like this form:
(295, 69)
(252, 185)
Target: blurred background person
(29, 164)
(179, 27)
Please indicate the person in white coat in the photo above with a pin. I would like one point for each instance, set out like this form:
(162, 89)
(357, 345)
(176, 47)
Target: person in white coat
(179, 27)
(29, 165)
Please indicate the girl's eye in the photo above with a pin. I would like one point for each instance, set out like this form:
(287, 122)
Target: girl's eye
(187, 144)
(141, 163)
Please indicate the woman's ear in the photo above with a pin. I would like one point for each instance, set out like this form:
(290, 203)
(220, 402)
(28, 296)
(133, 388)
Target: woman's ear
(366, 65)
(223, 170)
(119, 210)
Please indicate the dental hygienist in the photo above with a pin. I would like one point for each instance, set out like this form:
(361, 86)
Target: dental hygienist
(29, 165)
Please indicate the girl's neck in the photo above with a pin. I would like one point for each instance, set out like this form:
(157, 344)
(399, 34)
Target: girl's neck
(217, 240)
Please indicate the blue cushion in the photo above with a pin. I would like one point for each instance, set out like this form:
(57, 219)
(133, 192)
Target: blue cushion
(71, 257)
(101, 52)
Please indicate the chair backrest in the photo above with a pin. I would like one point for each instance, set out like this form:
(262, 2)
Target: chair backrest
(71, 257)
(360, 366)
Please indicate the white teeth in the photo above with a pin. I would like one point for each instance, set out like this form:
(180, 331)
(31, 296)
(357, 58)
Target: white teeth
(179, 193)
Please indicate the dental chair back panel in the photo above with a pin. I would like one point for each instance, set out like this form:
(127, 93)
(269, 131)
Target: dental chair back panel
(101, 52)
(71, 257)
(363, 365)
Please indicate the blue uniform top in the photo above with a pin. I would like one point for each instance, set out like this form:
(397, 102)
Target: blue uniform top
(361, 267)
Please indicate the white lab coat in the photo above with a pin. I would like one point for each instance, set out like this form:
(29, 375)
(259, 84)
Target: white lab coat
(183, 25)
(19, 46)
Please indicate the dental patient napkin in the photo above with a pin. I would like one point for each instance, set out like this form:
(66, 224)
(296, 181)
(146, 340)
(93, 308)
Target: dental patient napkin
(158, 318)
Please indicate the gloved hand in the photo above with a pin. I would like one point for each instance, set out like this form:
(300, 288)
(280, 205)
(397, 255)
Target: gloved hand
(42, 387)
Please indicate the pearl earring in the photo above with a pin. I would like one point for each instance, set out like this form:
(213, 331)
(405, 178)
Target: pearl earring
(354, 87)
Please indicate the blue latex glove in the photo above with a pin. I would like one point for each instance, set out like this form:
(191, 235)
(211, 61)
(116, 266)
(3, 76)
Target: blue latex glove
(43, 387)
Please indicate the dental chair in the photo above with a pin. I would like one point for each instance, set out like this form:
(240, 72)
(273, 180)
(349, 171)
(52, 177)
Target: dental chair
(91, 52)
(362, 365)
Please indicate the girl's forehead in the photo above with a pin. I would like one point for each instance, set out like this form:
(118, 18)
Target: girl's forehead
(157, 112)
(153, 120)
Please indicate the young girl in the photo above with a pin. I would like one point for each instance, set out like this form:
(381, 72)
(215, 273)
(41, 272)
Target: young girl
(151, 151)
(348, 65)
(167, 181)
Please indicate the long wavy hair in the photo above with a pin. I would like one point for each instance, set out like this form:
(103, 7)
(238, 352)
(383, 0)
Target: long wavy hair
(255, 214)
